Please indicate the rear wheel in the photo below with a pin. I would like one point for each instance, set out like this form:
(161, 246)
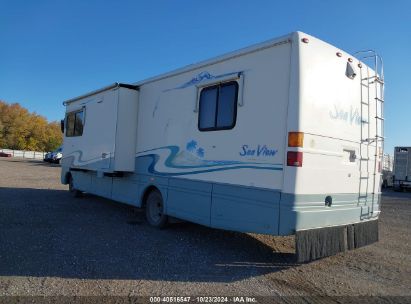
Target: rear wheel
(73, 191)
(155, 210)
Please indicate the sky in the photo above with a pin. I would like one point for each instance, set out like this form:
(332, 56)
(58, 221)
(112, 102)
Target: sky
(53, 50)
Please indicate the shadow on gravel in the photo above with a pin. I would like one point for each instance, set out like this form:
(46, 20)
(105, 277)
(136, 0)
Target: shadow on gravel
(47, 233)
(42, 163)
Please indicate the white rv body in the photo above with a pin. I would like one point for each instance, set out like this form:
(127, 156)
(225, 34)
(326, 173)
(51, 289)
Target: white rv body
(107, 144)
(238, 178)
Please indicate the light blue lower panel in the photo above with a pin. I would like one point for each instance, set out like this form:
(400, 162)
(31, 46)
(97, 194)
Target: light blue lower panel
(189, 200)
(125, 190)
(81, 180)
(101, 185)
(245, 209)
(308, 211)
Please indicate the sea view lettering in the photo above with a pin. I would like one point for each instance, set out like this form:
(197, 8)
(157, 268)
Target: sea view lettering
(260, 150)
(351, 116)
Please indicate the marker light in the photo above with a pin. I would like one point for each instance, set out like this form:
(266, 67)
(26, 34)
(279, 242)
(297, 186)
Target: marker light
(295, 139)
(350, 59)
(294, 159)
(305, 40)
(360, 65)
(339, 54)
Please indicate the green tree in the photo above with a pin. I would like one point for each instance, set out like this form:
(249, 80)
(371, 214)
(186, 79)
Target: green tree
(22, 130)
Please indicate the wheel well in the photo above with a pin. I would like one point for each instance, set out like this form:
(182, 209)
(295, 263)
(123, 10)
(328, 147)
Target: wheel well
(146, 193)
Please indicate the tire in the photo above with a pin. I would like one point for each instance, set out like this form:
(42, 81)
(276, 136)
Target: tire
(74, 192)
(155, 210)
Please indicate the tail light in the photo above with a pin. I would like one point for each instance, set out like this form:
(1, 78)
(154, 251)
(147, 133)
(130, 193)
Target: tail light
(294, 159)
(295, 139)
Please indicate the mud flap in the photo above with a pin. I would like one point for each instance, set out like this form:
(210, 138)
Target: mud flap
(314, 244)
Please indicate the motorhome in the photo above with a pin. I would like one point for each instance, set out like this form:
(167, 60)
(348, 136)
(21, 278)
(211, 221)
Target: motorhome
(402, 168)
(281, 138)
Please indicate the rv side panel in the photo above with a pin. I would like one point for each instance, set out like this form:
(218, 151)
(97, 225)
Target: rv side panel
(241, 159)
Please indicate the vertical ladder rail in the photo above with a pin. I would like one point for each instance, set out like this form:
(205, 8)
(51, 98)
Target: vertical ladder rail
(364, 142)
(377, 80)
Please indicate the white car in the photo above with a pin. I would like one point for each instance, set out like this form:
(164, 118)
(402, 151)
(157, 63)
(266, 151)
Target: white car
(55, 156)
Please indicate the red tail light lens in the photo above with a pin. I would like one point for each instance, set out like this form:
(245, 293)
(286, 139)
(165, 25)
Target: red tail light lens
(294, 159)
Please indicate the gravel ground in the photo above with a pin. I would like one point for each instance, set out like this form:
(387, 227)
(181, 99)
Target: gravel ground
(52, 244)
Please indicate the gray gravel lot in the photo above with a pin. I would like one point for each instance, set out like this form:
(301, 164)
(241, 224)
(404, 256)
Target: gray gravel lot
(54, 244)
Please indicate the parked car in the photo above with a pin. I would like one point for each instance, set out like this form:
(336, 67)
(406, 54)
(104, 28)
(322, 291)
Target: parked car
(55, 156)
(4, 154)
(47, 157)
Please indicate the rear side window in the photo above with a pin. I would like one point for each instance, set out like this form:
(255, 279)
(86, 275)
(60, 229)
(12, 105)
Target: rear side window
(218, 107)
(74, 123)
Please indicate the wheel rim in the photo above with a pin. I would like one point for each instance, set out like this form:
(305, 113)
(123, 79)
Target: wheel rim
(155, 209)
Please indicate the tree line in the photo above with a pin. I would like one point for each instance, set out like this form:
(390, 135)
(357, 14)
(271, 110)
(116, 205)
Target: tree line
(22, 130)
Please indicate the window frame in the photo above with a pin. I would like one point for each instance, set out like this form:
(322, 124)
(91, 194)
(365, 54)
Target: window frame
(235, 101)
(74, 113)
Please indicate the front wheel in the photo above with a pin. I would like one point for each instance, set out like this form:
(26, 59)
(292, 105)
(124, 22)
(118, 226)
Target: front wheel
(155, 210)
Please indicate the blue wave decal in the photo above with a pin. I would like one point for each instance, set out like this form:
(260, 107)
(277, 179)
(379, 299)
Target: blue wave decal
(79, 159)
(199, 78)
(204, 166)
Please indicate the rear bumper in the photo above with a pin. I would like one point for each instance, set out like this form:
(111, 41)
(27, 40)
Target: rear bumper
(303, 212)
(313, 244)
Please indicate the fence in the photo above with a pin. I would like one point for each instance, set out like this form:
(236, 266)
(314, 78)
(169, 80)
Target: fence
(25, 154)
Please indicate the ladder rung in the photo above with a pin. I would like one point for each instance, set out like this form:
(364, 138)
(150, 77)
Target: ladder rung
(364, 159)
(364, 122)
(365, 103)
(380, 118)
(365, 85)
(378, 136)
(363, 196)
(364, 177)
(379, 99)
(374, 78)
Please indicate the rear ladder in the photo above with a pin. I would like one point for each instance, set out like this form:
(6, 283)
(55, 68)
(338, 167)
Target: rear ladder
(371, 81)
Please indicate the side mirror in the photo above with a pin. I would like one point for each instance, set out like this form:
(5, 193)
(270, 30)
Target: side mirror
(62, 125)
